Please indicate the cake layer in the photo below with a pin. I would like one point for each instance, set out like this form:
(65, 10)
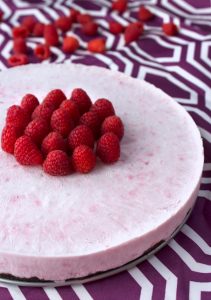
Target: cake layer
(56, 228)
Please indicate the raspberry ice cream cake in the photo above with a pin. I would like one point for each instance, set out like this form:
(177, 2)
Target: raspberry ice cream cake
(56, 228)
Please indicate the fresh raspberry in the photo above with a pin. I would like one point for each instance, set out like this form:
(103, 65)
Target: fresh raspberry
(61, 122)
(104, 108)
(108, 148)
(133, 32)
(26, 152)
(54, 98)
(144, 14)
(29, 102)
(29, 22)
(72, 109)
(20, 31)
(113, 124)
(37, 129)
(38, 29)
(83, 159)
(92, 120)
(80, 135)
(89, 28)
(84, 18)
(81, 99)
(19, 46)
(17, 118)
(64, 23)
(97, 45)
(1, 15)
(73, 15)
(42, 51)
(53, 141)
(18, 60)
(170, 29)
(8, 138)
(51, 35)
(57, 163)
(70, 44)
(43, 111)
(119, 5)
(115, 27)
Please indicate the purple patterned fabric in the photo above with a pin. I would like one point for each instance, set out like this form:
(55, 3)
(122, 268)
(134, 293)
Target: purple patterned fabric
(179, 65)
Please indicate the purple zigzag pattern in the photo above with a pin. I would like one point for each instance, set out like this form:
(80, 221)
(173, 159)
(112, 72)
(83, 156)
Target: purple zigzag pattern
(179, 65)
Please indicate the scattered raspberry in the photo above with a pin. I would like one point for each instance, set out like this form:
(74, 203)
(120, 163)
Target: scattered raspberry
(70, 44)
(83, 159)
(89, 28)
(61, 122)
(144, 14)
(18, 60)
(8, 139)
(64, 23)
(104, 108)
(53, 141)
(19, 46)
(17, 118)
(42, 51)
(73, 15)
(37, 129)
(97, 45)
(29, 103)
(29, 23)
(80, 135)
(26, 152)
(113, 124)
(92, 120)
(108, 148)
(43, 111)
(51, 35)
(170, 29)
(72, 109)
(119, 5)
(115, 27)
(82, 100)
(57, 163)
(54, 98)
(38, 30)
(133, 32)
(84, 18)
(20, 31)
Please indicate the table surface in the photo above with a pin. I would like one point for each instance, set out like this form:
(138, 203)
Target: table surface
(179, 65)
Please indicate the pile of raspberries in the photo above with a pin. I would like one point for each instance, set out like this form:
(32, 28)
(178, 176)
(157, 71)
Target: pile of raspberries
(63, 135)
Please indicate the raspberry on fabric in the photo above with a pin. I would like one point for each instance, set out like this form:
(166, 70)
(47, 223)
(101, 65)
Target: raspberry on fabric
(20, 31)
(170, 29)
(53, 141)
(84, 18)
(37, 129)
(38, 29)
(97, 45)
(104, 108)
(51, 35)
(64, 23)
(113, 124)
(61, 122)
(17, 118)
(70, 44)
(120, 5)
(57, 163)
(144, 14)
(28, 103)
(43, 111)
(83, 159)
(42, 51)
(80, 135)
(108, 148)
(73, 15)
(8, 138)
(115, 27)
(81, 99)
(92, 120)
(72, 108)
(29, 22)
(132, 32)
(18, 60)
(19, 46)
(90, 28)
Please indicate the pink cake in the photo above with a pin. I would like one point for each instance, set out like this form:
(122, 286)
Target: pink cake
(55, 228)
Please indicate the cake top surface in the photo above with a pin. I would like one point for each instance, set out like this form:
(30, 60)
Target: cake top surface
(82, 214)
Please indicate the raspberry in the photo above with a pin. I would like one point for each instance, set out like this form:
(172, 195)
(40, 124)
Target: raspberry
(18, 60)
(8, 138)
(70, 44)
(29, 23)
(72, 109)
(83, 159)
(20, 31)
(64, 23)
(37, 129)
(54, 98)
(51, 35)
(92, 120)
(90, 28)
(108, 148)
(61, 122)
(119, 5)
(43, 111)
(170, 29)
(97, 45)
(82, 100)
(19, 46)
(83, 18)
(145, 14)
(53, 141)
(42, 52)
(132, 32)
(104, 108)
(80, 135)
(26, 152)
(115, 27)
(57, 163)
(73, 14)
(38, 29)
(17, 118)
(29, 102)
(113, 124)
